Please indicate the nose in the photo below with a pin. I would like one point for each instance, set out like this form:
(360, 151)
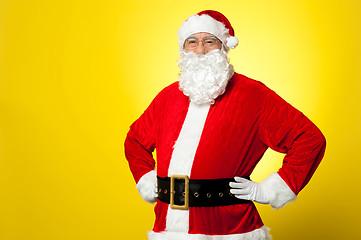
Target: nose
(200, 49)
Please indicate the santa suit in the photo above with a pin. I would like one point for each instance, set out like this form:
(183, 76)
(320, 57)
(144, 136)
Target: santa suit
(222, 140)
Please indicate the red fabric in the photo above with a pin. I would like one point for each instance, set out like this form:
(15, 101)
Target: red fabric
(220, 18)
(244, 121)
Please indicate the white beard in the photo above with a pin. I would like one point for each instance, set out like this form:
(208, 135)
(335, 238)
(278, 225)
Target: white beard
(203, 77)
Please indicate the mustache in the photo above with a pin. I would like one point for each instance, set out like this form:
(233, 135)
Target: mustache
(192, 56)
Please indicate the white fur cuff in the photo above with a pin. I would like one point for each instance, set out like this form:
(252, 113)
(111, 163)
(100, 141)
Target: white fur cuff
(147, 187)
(278, 190)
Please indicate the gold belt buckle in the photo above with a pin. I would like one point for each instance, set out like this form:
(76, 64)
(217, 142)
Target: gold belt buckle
(186, 191)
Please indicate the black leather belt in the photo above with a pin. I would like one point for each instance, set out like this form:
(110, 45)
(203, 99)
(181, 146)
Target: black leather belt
(181, 192)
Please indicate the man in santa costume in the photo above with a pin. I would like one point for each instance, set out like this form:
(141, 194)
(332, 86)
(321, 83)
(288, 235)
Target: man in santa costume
(210, 129)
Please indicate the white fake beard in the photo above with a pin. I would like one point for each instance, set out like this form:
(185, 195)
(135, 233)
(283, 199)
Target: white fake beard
(203, 77)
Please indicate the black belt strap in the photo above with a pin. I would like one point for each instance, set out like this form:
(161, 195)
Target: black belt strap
(202, 193)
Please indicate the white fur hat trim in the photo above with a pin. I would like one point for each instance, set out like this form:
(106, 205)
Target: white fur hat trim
(205, 23)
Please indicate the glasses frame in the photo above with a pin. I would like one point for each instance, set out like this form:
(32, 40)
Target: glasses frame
(187, 47)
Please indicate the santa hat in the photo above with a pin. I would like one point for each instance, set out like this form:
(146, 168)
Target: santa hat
(209, 21)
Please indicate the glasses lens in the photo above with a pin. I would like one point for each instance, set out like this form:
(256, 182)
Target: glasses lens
(209, 43)
(191, 43)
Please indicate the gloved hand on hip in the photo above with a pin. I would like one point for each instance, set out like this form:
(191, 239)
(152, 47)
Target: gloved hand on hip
(248, 190)
(147, 187)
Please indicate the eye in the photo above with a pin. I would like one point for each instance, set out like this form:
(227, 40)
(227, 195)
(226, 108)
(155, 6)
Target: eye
(192, 41)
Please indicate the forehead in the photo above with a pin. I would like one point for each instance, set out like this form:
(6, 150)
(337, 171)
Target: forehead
(201, 35)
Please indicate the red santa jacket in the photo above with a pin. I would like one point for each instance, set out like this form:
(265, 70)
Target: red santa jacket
(239, 127)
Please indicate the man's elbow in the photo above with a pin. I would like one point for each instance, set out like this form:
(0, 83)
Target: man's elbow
(320, 139)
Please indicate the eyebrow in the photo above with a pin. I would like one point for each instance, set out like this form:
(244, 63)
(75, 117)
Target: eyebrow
(210, 37)
(206, 37)
(191, 37)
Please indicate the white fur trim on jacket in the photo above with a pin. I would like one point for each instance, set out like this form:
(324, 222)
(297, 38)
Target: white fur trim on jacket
(278, 190)
(258, 234)
(147, 187)
(182, 159)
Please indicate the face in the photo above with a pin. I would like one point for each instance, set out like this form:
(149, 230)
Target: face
(201, 43)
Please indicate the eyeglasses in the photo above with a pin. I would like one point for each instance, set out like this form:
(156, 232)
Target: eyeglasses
(208, 42)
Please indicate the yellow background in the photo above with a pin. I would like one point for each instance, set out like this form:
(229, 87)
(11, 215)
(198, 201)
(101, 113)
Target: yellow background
(75, 74)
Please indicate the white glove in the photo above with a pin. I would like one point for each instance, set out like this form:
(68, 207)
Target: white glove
(249, 190)
(147, 187)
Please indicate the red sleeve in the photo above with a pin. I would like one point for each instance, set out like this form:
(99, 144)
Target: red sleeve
(140, 144)
(285, 129)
